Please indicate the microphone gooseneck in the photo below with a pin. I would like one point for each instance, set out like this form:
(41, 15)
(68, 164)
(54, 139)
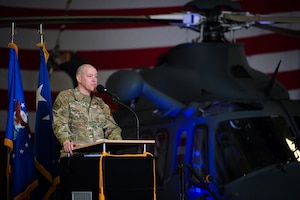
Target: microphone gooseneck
(102, 89)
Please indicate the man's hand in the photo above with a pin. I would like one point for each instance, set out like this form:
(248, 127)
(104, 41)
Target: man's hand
(68, 146)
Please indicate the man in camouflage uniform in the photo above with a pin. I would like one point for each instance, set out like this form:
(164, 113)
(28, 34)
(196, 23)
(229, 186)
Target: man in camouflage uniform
(79, 117)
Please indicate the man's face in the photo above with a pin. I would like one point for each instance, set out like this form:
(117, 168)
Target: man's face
(87, 80)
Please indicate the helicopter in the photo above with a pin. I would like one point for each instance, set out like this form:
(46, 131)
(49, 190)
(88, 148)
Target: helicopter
(223, 130)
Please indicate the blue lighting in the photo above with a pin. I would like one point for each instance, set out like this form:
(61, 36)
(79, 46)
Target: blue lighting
(197, 193)
(188, 112)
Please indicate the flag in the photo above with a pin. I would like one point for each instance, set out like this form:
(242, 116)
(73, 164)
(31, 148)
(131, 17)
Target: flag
(22, 171)
(44, 140)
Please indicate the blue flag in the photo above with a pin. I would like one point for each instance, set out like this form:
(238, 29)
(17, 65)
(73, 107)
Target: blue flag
(22, 171)
(45, 144)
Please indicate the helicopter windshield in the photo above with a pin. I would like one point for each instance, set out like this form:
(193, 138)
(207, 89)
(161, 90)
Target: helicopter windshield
(246, 145)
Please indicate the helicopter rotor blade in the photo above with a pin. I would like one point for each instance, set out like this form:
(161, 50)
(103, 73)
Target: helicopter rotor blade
(64, 20)
(280, 30)
(258, 19)
(186, 19)
(227, 20)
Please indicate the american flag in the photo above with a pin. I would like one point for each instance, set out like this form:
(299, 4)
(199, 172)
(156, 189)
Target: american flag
(125, 46)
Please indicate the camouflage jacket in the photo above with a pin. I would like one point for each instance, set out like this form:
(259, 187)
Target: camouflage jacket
(82, 119)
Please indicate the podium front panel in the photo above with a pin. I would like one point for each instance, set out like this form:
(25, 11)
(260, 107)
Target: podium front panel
(128, 177)
(79, 175)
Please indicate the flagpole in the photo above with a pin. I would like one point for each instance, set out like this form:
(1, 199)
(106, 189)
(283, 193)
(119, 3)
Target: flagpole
(7, 148)
(41, 34)
(7, 174)
(12, 31)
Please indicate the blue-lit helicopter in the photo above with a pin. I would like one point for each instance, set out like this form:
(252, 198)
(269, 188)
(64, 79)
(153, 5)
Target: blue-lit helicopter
(223, 130)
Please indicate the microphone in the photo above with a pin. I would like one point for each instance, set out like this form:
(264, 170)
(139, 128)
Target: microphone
(102, 89)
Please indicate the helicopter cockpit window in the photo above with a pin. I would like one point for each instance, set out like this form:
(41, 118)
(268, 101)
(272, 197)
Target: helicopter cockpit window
(245, 145)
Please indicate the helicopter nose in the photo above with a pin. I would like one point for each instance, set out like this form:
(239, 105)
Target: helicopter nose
(126, 84)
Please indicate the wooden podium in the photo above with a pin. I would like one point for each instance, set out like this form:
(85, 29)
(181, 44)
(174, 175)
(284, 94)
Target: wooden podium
(109, 170)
